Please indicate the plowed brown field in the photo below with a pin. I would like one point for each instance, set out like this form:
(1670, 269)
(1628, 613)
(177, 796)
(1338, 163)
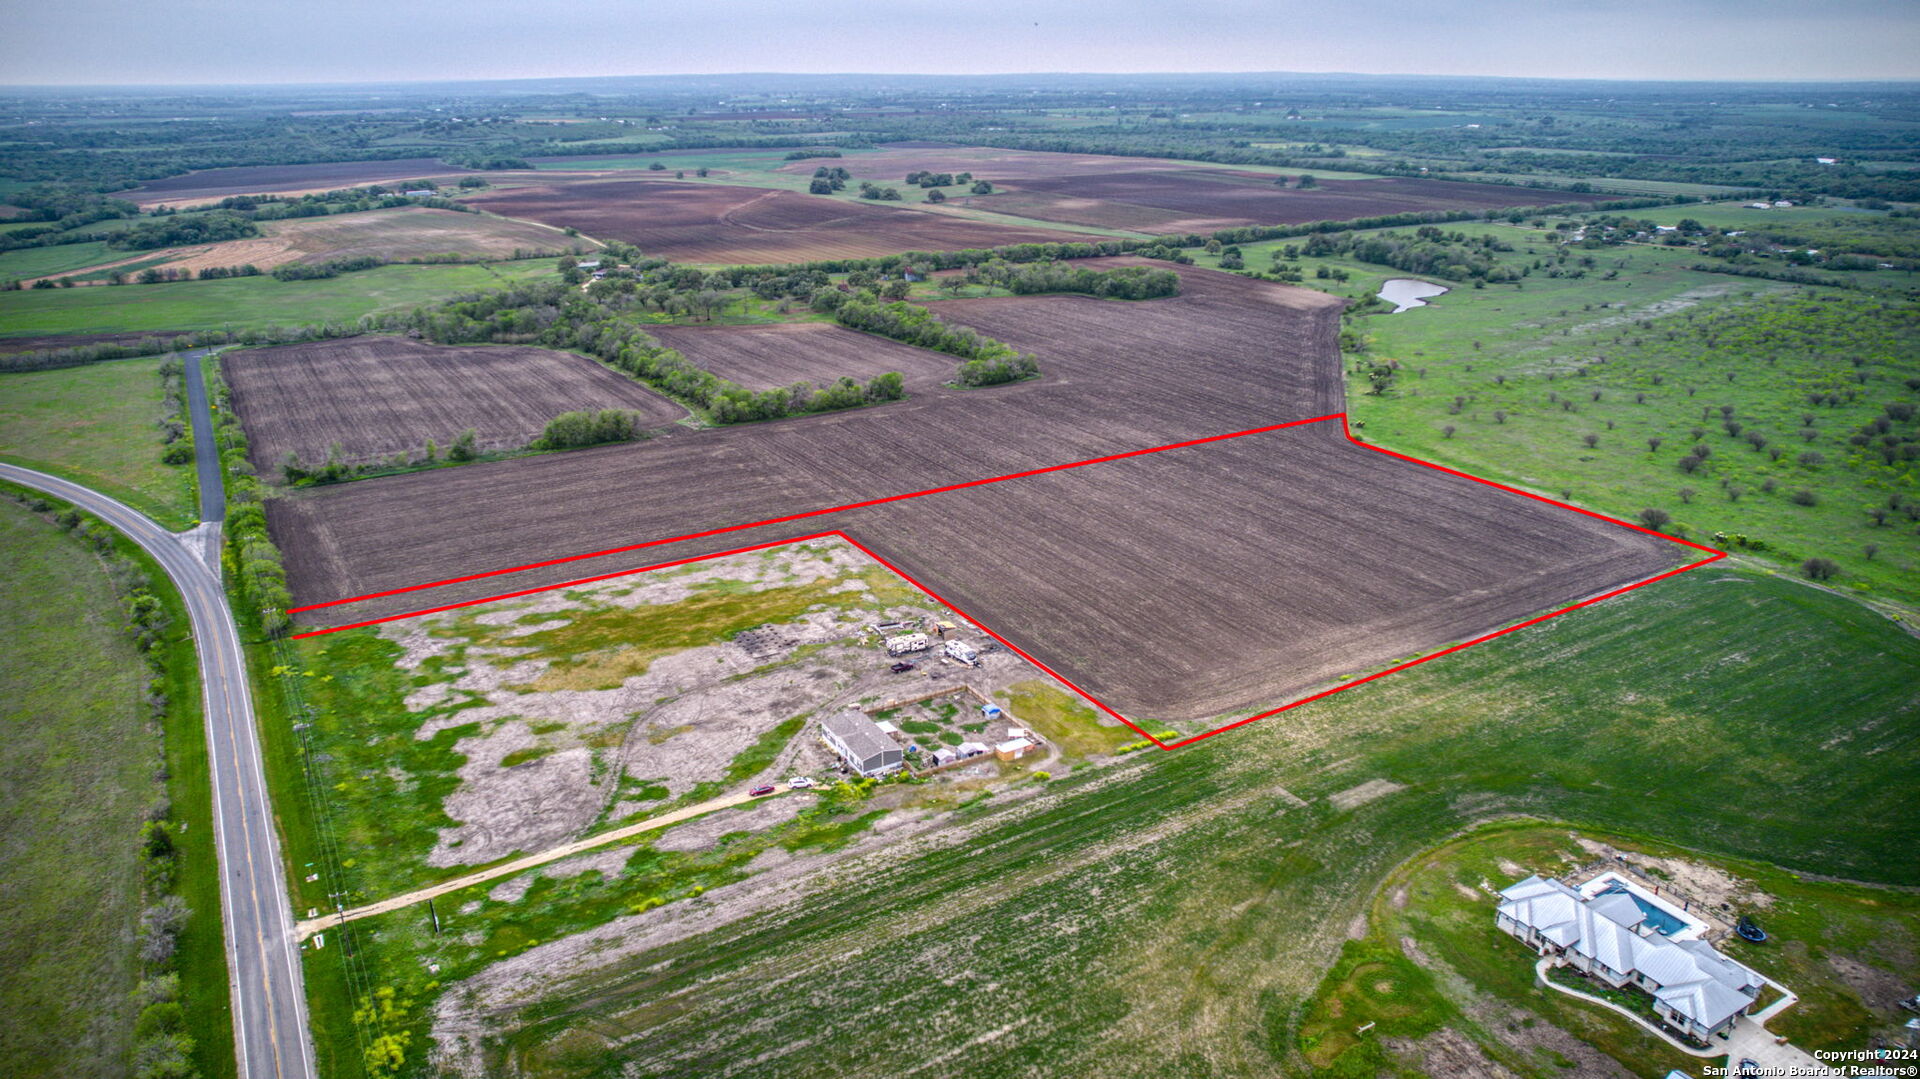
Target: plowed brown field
(1176, 586)
(762, 357)
(378, 396)
(744, 225)
(1158, 196)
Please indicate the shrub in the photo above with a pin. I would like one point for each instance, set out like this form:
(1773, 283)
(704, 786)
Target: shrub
(1820, 569)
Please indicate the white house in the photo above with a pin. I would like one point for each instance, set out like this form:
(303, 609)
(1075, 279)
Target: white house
(862, 744)
(1609, 937)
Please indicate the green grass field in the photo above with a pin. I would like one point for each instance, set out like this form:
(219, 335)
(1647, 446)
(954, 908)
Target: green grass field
(76, 775)
(1437, 904)
(1209, 890)
(243, 303)
(1514, 372)
(30, 262)
(98, 425)
(78, 768)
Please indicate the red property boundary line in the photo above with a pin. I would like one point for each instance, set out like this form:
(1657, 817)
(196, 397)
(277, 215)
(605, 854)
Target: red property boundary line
(1713, 556)
(820, 512)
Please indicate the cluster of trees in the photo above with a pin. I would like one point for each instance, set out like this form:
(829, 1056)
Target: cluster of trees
(938, 179)
(175, 230)
(987, 361)
(570, 430)
(1430, 250)
(348, 200)
(812, 152)
(313, 271)
(259, 575)
(591, 322)
(827, 180)
(60, 211)
(737, 404)
(1121, 283)
(875, 191)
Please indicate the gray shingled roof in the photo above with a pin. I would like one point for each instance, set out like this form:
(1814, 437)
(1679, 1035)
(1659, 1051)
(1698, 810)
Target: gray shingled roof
(859, 734)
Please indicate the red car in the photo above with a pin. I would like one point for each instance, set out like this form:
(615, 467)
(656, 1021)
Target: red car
(758, 791)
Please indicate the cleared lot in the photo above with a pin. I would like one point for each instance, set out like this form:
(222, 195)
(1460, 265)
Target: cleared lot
(1176, 586)
(379, 396)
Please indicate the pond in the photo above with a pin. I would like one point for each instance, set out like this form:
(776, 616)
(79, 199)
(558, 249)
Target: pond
(1406, 293)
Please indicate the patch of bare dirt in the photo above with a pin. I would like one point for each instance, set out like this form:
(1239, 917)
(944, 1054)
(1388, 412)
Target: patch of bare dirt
(1371, 790)
(1449, 1054)
(704, 832)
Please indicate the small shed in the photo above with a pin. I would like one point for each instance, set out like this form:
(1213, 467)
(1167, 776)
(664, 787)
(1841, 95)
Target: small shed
(944, 755)
(1012, 749)
(991, 711)
(971, 749)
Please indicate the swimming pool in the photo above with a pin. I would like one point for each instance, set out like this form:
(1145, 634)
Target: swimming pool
(1658, 920)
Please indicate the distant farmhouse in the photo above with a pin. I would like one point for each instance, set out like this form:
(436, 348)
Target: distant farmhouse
(861, 744)
(1620, 938)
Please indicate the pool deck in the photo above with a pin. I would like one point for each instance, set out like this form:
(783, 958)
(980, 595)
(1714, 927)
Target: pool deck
(1695, 925)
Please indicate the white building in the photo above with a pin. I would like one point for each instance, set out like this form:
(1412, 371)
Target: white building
(862, 744)
(1611, 936)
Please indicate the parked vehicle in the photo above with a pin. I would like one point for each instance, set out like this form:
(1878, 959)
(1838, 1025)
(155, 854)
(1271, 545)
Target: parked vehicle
(901, 668)
(800, 783)
(759, 791)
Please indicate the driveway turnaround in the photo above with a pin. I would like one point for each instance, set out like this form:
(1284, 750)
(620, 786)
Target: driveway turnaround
(263, 963)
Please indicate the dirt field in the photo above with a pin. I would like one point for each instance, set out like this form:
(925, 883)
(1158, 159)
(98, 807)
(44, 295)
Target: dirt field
(214, 184)
(1158, 196)
(762, 357)
(1246, 570)
(1206, 200)
(743, 225)
(380, 396)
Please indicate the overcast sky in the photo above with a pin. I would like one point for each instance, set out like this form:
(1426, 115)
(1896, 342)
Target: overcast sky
(228, 41)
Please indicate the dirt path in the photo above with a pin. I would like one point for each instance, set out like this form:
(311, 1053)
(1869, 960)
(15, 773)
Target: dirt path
(305, 929)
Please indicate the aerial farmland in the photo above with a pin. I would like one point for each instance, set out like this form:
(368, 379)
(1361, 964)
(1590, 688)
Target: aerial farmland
(589, 577)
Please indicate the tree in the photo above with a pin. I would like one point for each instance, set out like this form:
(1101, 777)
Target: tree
(1307, 180)
(463, 448)
(982, 187)
(820, 186)
(1447, 431)
(1590, 440)
(1653, 445)
(1654, 518)
(1820, 569)
(935, 196)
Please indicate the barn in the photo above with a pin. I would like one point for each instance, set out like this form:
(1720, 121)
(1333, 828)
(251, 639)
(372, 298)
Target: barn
(861, 743)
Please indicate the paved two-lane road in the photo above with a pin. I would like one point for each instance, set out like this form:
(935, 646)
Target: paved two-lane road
(263, 962)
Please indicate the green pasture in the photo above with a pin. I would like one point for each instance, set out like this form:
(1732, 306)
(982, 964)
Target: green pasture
(98, 425)
(79, 768)
(243, 303)
(1725, 711)
(1539, 352)
(30, 262)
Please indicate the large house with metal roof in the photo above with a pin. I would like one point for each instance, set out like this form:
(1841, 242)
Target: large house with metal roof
(861, 743)
(1607, 936)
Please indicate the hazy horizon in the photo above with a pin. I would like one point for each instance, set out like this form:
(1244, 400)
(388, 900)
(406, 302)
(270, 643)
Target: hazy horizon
(229, 43)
